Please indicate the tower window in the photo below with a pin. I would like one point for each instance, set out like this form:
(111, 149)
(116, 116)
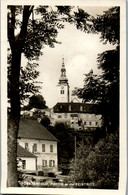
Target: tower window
(61, 91)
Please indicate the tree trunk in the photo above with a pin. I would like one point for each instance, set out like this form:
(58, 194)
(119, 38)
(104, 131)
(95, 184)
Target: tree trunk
(13, 123)
(12, 180)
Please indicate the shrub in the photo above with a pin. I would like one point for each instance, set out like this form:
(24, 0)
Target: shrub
(40, 173)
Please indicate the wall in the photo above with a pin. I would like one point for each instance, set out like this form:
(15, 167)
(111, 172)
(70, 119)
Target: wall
(63, 97)
(86, 118)
(30, 163)
(47, 155)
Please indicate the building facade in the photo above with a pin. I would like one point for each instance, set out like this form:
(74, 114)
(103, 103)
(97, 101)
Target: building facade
(26, 160)
(79, 116)
(36, 139)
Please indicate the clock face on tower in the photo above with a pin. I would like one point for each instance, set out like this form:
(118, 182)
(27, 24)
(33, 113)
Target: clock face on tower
(62, 87)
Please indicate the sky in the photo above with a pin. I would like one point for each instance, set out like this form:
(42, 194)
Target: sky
(80, 54)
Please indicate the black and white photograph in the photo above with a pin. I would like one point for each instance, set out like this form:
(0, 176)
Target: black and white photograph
(64, 103)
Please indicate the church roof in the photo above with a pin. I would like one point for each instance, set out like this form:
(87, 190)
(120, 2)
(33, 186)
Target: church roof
(63, 78)
(32, 129)
(74, 107)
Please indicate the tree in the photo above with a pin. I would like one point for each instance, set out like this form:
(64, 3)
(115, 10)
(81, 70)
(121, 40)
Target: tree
(109, 63)
(104, 89)
(108, 24)
(16, 45)
(105, 95)
(29, 40)
(65, 143)
(28, 36)
(98, 165)
(36, 101)
(27, 84)
(78, 167)
(45, 121)
(93, 88)
(102, 160)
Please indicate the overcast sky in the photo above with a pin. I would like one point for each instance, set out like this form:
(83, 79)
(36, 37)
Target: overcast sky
(80, 53)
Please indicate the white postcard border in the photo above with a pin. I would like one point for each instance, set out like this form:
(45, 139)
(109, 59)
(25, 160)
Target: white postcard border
(123, 134)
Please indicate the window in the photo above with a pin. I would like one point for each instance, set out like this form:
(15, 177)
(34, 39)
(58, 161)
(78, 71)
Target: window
(61, 91)
(23, 164)
(85, 122)
(43, 147)
(44, 163)
(51, 163)
(34, 147)
(90, 123)
(96, 123)
(51, 148)
(81, 108)
(70, 108)
(59, 116)
(26, 146)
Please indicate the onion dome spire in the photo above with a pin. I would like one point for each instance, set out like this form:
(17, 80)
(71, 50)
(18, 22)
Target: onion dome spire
(63, 78)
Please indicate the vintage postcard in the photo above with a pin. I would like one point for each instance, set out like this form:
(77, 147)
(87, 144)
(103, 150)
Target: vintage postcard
(63, 97)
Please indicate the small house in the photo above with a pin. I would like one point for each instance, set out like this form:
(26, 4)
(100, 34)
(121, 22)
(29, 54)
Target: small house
(37, 140)
(26, 160)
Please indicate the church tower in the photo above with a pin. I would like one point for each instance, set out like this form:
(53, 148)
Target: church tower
(63, 86)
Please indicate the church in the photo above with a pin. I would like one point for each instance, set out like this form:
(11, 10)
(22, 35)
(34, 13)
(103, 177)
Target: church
(63, 86)
(76, 115)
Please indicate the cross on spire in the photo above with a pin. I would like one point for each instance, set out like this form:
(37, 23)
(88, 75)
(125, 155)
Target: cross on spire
(63, 62)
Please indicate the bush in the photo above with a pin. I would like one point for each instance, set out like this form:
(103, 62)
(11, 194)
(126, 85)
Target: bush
(51, 174)
(40, 173)
(98, 164)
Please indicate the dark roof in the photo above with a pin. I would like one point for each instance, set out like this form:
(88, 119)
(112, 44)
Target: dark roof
(22, 152)
(32, 129)
(75, 107)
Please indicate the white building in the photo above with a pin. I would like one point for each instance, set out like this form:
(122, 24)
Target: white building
(79, 116)
(35, 138)
(26, 160)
